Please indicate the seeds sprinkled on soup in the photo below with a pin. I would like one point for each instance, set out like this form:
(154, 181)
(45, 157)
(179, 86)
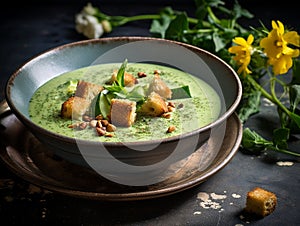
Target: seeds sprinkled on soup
(124, 102)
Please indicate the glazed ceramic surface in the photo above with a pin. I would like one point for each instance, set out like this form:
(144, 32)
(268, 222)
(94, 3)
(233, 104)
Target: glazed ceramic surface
(117, 161)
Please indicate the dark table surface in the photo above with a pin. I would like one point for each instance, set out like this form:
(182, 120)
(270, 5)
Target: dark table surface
(27, 30)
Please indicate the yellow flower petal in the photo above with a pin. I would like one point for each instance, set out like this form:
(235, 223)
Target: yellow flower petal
(292, 37)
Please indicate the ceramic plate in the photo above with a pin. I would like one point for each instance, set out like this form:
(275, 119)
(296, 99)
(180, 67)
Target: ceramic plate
(29, 159)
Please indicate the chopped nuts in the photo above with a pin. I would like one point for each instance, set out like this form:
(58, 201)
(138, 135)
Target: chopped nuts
(142, 74)
(83, 125)
(104, 122)
(98, 124)
(110, 128)
(157, 72)
(109, 135)
(93, 123)
(78, 125)
(99, 117)
(180, 106)
(167, 115)
(100, 131)
(171, 109)
(86, 118)
(171, 129)
(171, 104)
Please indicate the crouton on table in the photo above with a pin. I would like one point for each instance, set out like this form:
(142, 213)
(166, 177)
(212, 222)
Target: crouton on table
(260, 202)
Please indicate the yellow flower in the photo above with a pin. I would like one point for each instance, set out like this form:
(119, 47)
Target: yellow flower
(277, 48)
(242, 51)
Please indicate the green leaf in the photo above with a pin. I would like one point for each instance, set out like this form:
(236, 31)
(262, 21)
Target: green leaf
(181, 92)
(294, 97)
(177, 27)
(280, 137)
(159, 27)
(296, 72)
(113, 88)
(218, 41)
(136, 94)
(95, 105)
(253, 142)
(249, 105)
(121, 72)
(295, 118)
(104, 105)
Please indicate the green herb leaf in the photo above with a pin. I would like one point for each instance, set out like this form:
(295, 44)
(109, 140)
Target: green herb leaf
(104, 105)
(181, 92)
(159, 26)
(253, 142)
(177, 27)
(249, 105)
(280, 137)
(120, 75)
(95, 105)
(295, 118)
(294, 97)
(136, 94)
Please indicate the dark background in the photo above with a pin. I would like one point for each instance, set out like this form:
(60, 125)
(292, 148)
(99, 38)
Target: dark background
(32, 27)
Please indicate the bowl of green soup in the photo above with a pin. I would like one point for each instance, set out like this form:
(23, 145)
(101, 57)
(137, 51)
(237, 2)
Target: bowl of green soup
(134, 109)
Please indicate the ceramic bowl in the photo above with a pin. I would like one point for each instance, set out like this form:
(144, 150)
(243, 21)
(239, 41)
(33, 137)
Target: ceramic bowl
(123, 162)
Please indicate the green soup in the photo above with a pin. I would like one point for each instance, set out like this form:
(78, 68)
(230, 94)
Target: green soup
(191, 113)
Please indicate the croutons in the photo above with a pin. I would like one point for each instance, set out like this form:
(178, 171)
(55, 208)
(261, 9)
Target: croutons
(155, 105)
(87, 90)
(129, 79)
(159, 86)
(122, 112)
(74, 107)
(260, 202)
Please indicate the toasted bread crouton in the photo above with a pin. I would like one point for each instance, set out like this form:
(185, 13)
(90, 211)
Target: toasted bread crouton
(87, 90)
(159, 86)
(260, 202)
(155, 105)
(74, 107)
(122, 112)
(129, 79)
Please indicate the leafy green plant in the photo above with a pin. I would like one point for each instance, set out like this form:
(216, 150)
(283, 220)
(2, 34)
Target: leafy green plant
(253, 52)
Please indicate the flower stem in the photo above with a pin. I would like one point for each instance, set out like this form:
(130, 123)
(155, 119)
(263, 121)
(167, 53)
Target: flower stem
(272, 97)
(149, 17)
(285, 151)
(212, 15)
(260, 88)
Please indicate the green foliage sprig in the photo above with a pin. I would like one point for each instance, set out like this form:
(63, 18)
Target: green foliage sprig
(253, 52)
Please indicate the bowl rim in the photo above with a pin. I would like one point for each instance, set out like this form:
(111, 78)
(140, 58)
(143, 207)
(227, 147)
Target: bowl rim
(35, 128)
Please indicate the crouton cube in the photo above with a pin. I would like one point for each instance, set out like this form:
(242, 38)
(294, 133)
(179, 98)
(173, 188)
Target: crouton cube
(129, 79)
(154, 106)
(74, 107)
(260, 202)
(122, 112)
(87, 90)
(157, 85)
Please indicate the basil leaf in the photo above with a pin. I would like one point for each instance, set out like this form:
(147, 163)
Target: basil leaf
(104, 105)
(120, 75)
(181, 92)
